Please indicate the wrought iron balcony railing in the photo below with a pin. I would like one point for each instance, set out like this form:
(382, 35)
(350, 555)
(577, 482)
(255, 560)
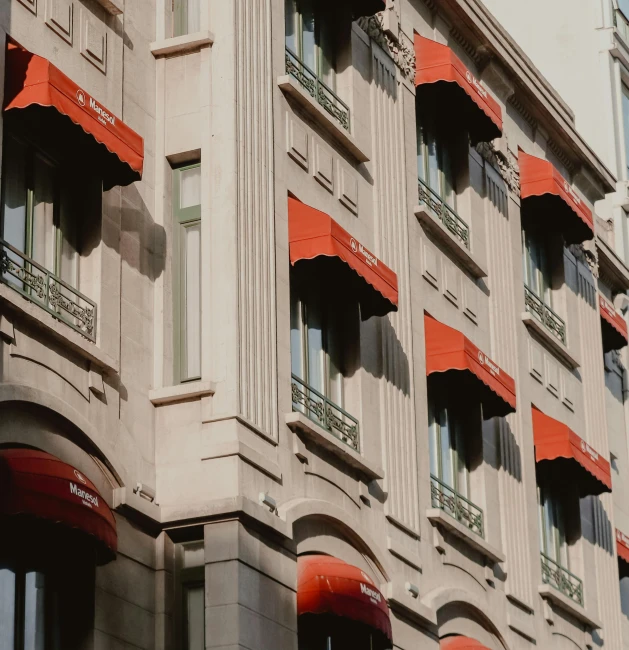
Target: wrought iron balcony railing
(321, 410)
(544, 314)
(45, 289)
(457, 506)
(556, 576)
(448, 217)
(622, 25)
(317, 89)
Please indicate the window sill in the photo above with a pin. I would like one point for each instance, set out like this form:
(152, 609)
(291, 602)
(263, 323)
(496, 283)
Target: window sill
(433, 225)
(438, 517)
(13, 301)
(292, 89)
(181, 392)
(181, 44)
(569, 606)
(549, 341)
(299, 423)
(113, 7)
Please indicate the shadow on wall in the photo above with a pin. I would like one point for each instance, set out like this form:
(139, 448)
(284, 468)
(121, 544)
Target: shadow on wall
(508, 454)
(596, 526)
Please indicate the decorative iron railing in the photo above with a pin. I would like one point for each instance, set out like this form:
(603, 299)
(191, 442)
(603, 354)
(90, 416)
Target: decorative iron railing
(45, 289)
(448, 217)
(320, 409)
(556, 576)
(457, 506)
(622, 25)
(317, 89)
(544, 314)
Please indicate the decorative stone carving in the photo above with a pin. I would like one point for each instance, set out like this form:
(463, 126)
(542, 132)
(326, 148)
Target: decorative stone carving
(402, 53)
(505, 165)
(585, 256)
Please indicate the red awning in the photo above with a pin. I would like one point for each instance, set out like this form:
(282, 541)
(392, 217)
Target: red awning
(622, 546)
(88, 131)
(443, 77)
(459, 362)
(327, 585)
(572, 458)
(34, 483)
(614, 326)
(314, 235)
(551, 201)
(461, 643)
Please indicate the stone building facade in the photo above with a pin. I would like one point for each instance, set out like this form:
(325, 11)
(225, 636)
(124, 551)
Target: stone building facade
(310, 334)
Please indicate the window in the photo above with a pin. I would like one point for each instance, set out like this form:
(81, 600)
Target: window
(537, 276)
(623, 571)
(187, 272)
(553, 528)
(186, 17)
(625, 123)
(310, 37)
(435, 156)
(190, 594)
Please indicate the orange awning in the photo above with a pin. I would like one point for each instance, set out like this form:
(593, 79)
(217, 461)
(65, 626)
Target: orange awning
(56, 110)
(442, 77)
(550, 200)
(314, 235)
(452, 357)
(327, 585)
(614, 326)
(572, 458)
(622, 546)
(461, 643)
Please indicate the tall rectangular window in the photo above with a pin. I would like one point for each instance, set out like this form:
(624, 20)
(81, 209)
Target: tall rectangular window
(552, 528)
(186, 17)
(190, 594)
(537, 275)
(625, 124)
(187, 272)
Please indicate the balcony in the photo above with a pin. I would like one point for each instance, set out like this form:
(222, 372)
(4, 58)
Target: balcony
(448, 217)
(562, 580)
(545, 315)
(318, 90)
(43, 288)
(457, 506)
(325, 413)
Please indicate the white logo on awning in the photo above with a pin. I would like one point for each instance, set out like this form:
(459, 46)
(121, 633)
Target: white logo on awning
(80, 97)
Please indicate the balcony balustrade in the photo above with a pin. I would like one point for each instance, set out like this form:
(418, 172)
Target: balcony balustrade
(448, 217)
(545, 315)
(317, 89)
(45, 289)
(457, 506)
(567, 583)
(324, 412)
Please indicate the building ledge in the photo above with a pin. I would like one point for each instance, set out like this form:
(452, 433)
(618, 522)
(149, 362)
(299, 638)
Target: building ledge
(569, 606)
(612, 267)
(299, 423)
(13, 302)
(549, 341)
(431, 222)
(113, 7)
(291, 88)
(182, 44)
(438, 517)
(400, 600)
(181, 392)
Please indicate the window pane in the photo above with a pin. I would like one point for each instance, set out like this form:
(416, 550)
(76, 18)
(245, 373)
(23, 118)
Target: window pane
(433, 163)
(296, 342)
(421, 146)
(434, 441)
(67, 256)
(326, 51)
(7, 609)
(446, 448)
(625, 120)
(289, 26)
(34, 620)
(14, 193)
(462, 484)
(190, 187)
(192, 253)
(43, 245)
(623, 5)
(195, 617)
(308, 34)
(447, 194)
(194, 16)
(315, 345)
(624, 598)
(335, 349)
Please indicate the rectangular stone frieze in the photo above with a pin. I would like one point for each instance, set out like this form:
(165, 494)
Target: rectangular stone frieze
(60, 18)
(569, 388)
(348, 189)
(470, 302)
(552, 376)
(430, 264)
(323, 166)
(297, 142)
(536, 361)
(451, 282)
(93, 41)
(31, 5)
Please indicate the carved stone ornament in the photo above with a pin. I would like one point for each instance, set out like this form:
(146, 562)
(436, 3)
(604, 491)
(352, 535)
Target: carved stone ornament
(402, 53)
(617, 359)
(585, 256)
(506, 166)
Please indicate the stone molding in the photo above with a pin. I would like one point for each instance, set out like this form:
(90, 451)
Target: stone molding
(587, 257)
(504, 164)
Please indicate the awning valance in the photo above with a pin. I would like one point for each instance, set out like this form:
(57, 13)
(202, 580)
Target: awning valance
(36, 484)
(572, 458)
(622, 546)
(461, 643)
(452, 357)
(314, 235)
(327, 585)
(614, 326)
(442, 77)
(60, 113)
(550, 200)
